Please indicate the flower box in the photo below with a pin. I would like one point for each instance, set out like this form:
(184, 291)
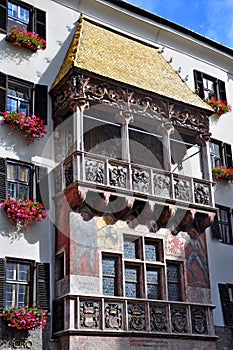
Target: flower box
(220, 107)
(24, 317)
(23, 212)
(21, 37)
(223, 173)
(31, 126)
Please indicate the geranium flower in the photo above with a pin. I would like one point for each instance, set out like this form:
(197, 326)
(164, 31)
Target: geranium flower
(25, 317)
(21, 37)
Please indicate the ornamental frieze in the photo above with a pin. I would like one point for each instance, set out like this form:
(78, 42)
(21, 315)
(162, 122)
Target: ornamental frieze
(82, 91)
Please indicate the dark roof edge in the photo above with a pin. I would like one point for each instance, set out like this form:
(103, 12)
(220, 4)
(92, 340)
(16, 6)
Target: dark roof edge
(162, 20)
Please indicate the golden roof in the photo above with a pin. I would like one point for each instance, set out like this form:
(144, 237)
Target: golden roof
(109, 54)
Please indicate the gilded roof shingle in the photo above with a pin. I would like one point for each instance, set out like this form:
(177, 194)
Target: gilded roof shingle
(109, 54)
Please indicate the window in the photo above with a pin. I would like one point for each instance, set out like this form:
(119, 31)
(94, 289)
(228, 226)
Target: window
(18, 283)
(226, 292)
(209, 87)
(17, 286)
(143, 268)
(222, 226)
(18, 15)
(22, 96)
(23, 15)
(19, 179)
(220, 153)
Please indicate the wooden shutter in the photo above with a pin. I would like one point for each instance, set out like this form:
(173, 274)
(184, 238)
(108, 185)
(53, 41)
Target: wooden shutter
(221, 90)
(3, 93)
(43, 285)
(3, 180)
(216, 229)
(3, 16)
(227, 155)
(42, 186)
(40, 22)
(41, 102)
(2, 283)
(227, 305)
(198, 78)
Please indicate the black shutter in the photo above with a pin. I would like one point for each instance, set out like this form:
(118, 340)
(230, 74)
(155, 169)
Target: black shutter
(41, 102)
(3, 16)
(198, 78)
(227, 155)
(221, 90)
(216, 229)
(227, 305)
(2, 283)
(42, 285)
(42, 186)
(3, 180)
(3, 84)
(40, 23)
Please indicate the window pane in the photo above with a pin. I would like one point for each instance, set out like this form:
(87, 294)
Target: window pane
(109, 266)
(109, 287)
(23, 295)
(23, 174)
(173, 282)
(12, 10)
(24, 14)
(11, 172)
(131, 290)
(10, 295)
(12, 189)
(152, 276)
(12, 105)
(23, 191)
(153, 292)
(11, 271)
(24, 273)
(131, 248)
(151, 251)
(131, 274)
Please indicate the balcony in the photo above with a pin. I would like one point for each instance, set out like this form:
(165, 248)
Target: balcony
(117, 315)
(98, 173)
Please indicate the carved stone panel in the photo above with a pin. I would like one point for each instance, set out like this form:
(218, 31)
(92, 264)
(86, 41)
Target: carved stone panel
(136, 317)
(140, 180)
(162, 185)
(199, 322)
(158, 318)
(182, 189)
(113, 315)
(201, 193)
(89, 314)
(179, 319)
(57, 179)
(117, 175)
(68, 169)
(94, 171)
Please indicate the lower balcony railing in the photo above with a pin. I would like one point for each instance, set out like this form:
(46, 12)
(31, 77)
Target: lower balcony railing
(130, 179)
(83, 314)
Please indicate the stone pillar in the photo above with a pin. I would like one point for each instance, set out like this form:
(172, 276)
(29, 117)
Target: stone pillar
(125, 117)
(166, 129)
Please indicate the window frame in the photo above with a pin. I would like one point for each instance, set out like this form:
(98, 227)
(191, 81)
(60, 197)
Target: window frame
(19, 182)
(143, 265)
(220, 89)
(37, 18)
(225, 154)
(17, 282)
(217, 229)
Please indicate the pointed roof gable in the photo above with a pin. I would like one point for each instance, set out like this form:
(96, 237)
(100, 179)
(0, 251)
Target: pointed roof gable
(112, 55)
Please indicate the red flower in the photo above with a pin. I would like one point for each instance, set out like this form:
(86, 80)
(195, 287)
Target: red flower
(25, 318)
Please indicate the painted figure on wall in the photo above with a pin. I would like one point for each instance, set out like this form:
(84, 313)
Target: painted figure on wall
(83, 249)
(196, 260)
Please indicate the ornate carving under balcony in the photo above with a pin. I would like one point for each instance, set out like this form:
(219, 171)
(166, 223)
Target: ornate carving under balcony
(117, 175)
(179, 319)
(69, 171)
(182, 189)
(158, 318)
(113, 315)
(199, 321)
(89, 314)
(94, 171)
(162, 185)
(137, 317)
(140, 180)
(201, 193)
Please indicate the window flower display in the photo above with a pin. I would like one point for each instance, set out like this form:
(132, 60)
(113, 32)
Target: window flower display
(23, 212)
(220, 107)
(32, 126)
(222, 172)
(25, 317)
(21, 37)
